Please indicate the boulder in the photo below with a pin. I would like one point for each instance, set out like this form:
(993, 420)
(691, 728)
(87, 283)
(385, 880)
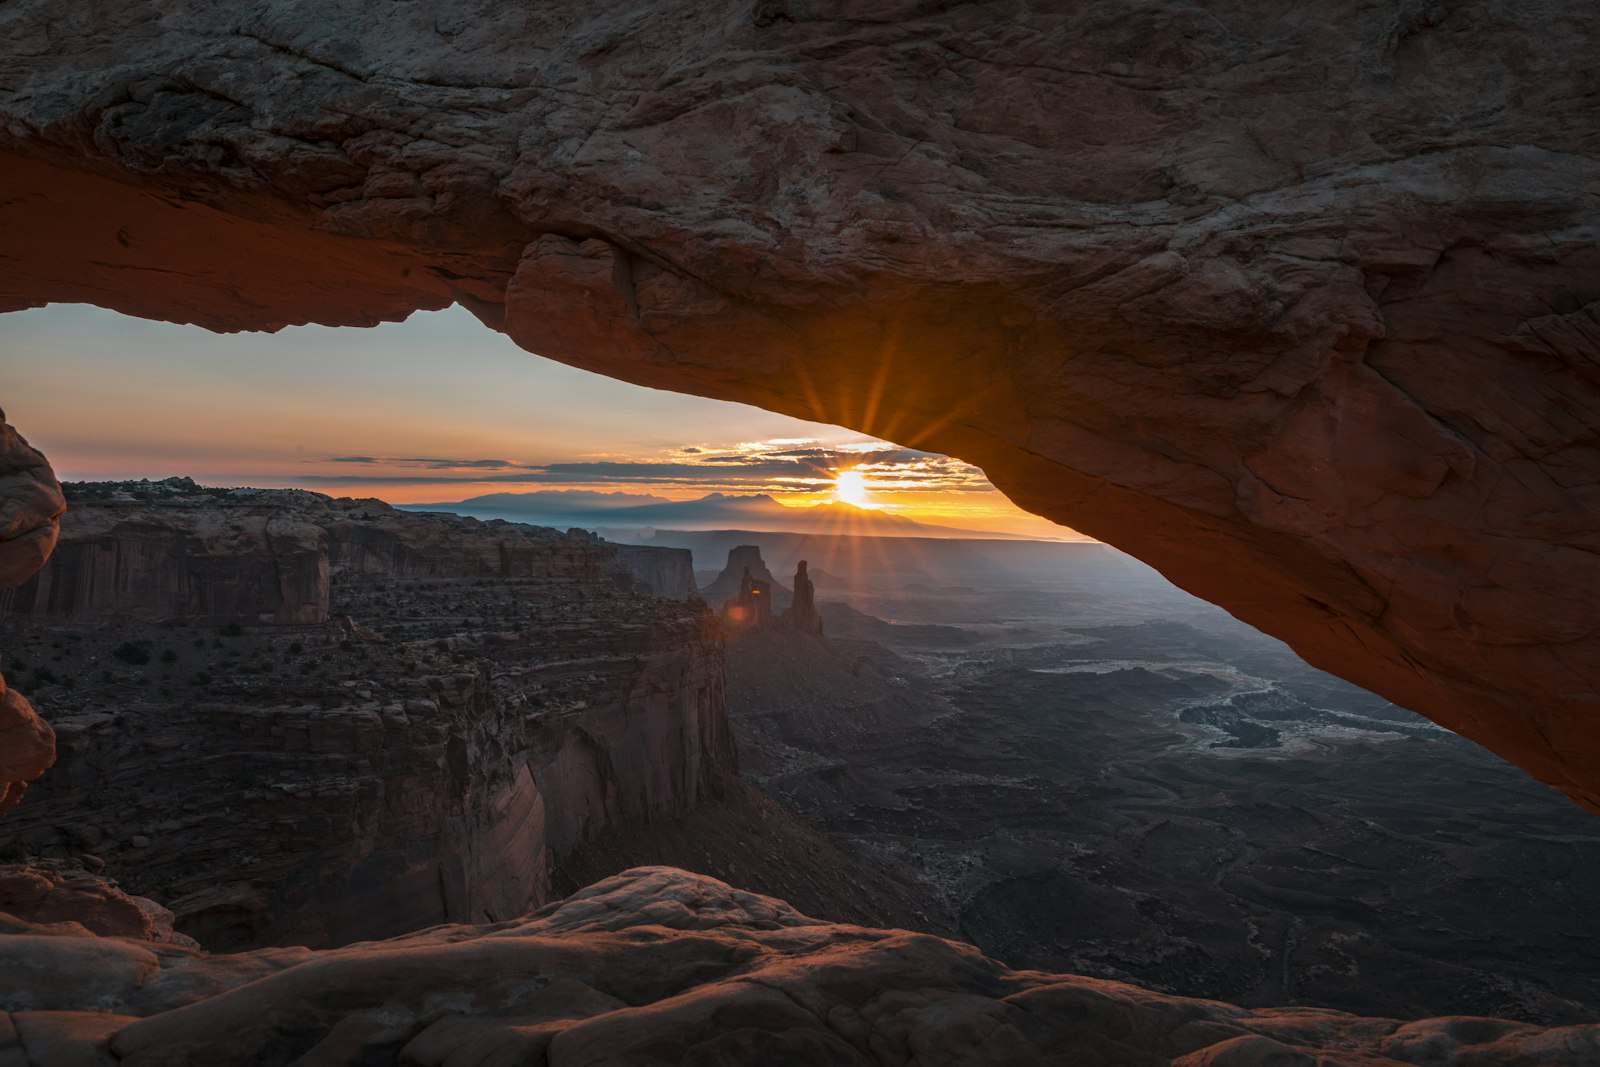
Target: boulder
(658, 966)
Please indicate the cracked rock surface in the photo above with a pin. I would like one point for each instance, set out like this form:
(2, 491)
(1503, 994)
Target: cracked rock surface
(30, 518)
(1298, 306)
(658, 966)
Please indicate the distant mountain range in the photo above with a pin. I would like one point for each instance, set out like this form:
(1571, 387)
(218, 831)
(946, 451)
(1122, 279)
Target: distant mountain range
(619, 512)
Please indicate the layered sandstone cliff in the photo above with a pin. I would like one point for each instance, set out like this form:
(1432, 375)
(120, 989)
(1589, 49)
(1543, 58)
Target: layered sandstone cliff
(667, 572)
(481, 699)
(1301, 310)
(169, 551)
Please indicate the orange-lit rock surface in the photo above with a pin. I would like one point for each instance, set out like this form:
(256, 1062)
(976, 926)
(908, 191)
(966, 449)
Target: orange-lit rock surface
(658, 966)
(1298, 306)
(30, 518)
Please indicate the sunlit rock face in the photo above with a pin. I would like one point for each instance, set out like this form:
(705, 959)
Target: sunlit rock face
(1300, 309)
(30, 520)
(657, 966)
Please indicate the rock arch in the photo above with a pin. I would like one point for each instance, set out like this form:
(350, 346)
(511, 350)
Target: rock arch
(1304, 311)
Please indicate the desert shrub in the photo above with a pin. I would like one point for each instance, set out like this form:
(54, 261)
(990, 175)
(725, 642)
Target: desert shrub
(202, 679)
(134, 653)
(295, 648)
(231, 629)
(169, 656)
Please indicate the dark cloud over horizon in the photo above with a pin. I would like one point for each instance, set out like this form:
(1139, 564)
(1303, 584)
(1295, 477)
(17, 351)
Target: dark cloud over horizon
(778, 468)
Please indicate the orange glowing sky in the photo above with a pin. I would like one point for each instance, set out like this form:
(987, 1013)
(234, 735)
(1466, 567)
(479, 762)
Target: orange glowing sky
(435, 408)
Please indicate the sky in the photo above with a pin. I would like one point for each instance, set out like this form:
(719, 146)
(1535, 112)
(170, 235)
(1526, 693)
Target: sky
(437, 408)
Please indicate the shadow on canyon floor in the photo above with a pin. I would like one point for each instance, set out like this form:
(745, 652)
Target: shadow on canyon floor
(1088, 771)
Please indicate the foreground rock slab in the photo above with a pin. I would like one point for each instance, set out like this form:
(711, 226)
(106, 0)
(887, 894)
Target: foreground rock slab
(658, 966)
(1305, 312)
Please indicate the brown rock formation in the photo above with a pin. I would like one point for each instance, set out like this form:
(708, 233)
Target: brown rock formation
(744, 560)
(667, 572)
(168, 551)
(1302, 311)
(45, 895)
(752, 608)
(460, 723)
(802, 614)
(30, 515)
(172, 551)
(656, 966)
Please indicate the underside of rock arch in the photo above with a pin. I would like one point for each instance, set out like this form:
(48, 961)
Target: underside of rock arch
(1301, 306)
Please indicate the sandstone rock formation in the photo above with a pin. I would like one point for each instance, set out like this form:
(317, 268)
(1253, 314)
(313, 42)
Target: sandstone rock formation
(169, 551)
(472, 701)
(667, 572)
(1302, 311)
(173, 551)
(742, 560)
(802, 614)
(751, 609)
(45, 895)
(30, 514)
(656, 966)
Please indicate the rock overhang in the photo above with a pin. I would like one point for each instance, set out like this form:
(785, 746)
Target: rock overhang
(1304, 313)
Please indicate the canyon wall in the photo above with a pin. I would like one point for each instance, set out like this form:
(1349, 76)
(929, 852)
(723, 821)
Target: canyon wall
(30, 516)
(179, 560)
(1301, 311)
(474, 701)
(667, 572)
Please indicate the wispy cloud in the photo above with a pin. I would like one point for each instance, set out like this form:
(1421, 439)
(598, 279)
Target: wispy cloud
(780, 467)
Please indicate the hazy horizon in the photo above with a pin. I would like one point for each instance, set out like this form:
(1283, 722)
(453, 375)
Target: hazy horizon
(435, 409)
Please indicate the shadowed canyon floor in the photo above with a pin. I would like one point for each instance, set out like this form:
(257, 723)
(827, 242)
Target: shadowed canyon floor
(1171, 799)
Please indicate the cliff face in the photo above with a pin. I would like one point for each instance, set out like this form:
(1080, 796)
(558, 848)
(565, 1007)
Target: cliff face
(30, 516)
(1303, 312)
(425, 758)
(656, 966)
(667, 572)
(206, 564)
(173, 551)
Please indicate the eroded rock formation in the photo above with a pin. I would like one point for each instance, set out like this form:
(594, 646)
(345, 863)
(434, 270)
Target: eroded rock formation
(471, 702)
(751, 609)
(744, 561)
(1302, 311)
(802, 614)
(656, 966)
(30, 516)
(171, 552)
(667, 572)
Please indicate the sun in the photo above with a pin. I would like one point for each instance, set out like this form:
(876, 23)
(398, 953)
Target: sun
(850, 487)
